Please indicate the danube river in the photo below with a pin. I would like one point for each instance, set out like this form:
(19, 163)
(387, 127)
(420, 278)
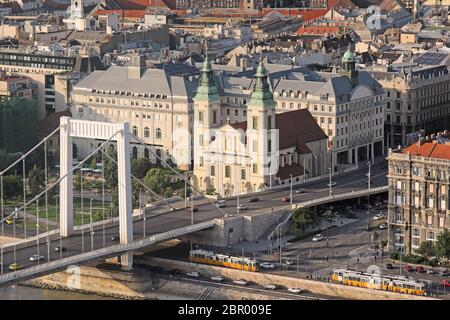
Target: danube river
(29, 293)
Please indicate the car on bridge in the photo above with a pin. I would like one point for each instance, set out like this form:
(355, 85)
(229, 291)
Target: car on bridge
(240, 282)
(36, 258)
(290, 261)
(270, 286)
(59, 248)
(221, 204)
(242, 207)
(317, 237)
(15, 266)
(298, 191)
(253, 199)
(332, 184)
(383, 226)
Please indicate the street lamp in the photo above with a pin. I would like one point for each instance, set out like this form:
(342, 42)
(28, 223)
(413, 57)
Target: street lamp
(290, 194)
(329, 185)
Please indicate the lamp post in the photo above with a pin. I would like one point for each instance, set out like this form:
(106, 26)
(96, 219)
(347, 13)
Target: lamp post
(330, 191)
(290, 194)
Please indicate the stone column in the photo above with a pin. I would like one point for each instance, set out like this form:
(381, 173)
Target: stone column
(66, 185)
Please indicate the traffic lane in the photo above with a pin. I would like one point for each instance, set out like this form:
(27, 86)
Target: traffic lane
(74, 242)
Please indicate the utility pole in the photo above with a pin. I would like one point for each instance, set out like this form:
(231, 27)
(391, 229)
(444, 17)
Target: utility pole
(185, 194)
(192, 209)
(330, 181)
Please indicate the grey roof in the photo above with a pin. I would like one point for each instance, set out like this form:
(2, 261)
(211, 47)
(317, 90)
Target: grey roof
(156, 81)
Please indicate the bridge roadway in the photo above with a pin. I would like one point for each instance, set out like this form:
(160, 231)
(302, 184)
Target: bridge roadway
(161, 220)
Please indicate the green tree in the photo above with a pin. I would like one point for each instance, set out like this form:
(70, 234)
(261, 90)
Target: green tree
(94, 163)
(426, 249)
(36, 180)
(140, 167)
(211, 190)
(12, 186)
(158, 180)
(442, 245)
(110, 168)
(303, 217)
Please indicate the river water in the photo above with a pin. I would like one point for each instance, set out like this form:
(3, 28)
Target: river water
(28, 293)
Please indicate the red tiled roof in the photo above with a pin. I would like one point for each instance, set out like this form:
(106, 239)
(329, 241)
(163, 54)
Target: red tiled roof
(296, 128)
(430, 149)
(318, 30)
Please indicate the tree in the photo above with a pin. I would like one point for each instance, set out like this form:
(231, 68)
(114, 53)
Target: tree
(442, 245)
(157, 180)
(94, 163)
(303, 217)
(110, 168)
(140, 167)
(426, 249)
(12, 186)
(211, 190)
(36, 180)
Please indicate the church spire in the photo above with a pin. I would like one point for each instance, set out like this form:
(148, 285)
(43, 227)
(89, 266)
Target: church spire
(207, 89)
(261, 95)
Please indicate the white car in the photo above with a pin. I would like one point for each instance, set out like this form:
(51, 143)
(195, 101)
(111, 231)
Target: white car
(298, 191)
(221, 204)
(378, 217)
(383, 226)
(317, 237)
(270, 286)
(35, 258)
(295, 290)
(333, 183)
(242, 207)
(193, 274)
(240, 282)
(290, 261)
(430, 271)
(217, 278)
(267, 265)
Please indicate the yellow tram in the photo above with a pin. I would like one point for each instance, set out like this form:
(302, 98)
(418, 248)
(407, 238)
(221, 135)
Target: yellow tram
(373, 281)
(223, 260)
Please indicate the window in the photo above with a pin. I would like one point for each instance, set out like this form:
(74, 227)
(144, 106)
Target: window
(201, 161)
(135, 131)
(269, 122)
(255, 145)
(269, 146)
(255, 123)
(200, 140)
(255, 168)
(227, 172)
(213, 171)
(243, 174)
(441, 222)
(429, 219)
(158, 133)
(416, 201)
(214, 116)
(200, 116)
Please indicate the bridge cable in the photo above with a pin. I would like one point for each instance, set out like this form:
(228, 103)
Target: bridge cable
(46, 199)
(2, 211)
(82, 208)
(24, 199)
(103, 197)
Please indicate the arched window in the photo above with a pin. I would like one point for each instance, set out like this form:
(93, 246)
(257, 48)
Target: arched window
(243, 174)
(158, 133)
(146, 132)
(227, 171)
(135, 131)
(146, 153)
(135, 153)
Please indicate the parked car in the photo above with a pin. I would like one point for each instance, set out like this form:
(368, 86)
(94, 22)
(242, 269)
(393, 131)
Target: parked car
(193, 274)
(221, 204)
(286, 199)
(290, 261)
(421, 269)
(430, 271)
(295, 290)
(443, 272)
(409, 269)
(445, 283)
(35, 258)
(389, 266)
(253, 199)
(298, 191)
(242, 207)
(240, 282)
(267, 265)
(217, 278)
(270, 286)
(379, 216)
(383, 226)
(332, 184)
(59, 248)
(317, 237)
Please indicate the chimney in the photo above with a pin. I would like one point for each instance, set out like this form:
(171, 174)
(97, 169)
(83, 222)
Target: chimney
(419, 141)
(137, 66)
